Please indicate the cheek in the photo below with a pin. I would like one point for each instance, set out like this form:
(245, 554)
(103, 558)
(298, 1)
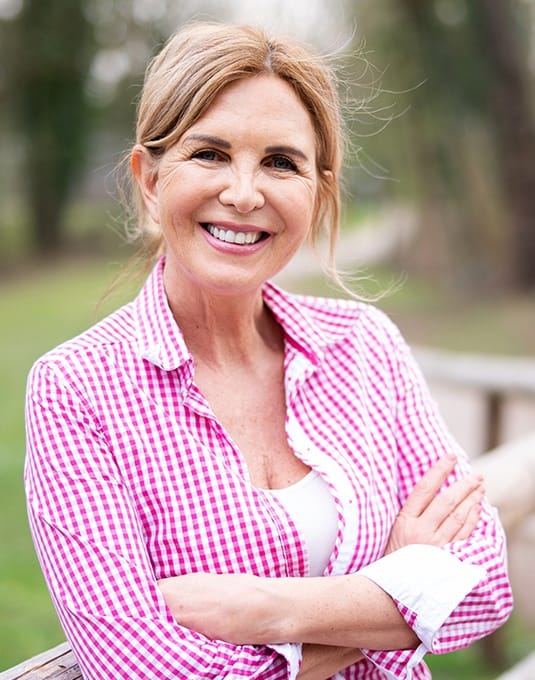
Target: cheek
(179, 196)
(300, 202)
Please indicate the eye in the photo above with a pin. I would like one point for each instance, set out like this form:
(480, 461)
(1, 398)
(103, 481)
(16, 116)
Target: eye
(207, 155)
(281, 163)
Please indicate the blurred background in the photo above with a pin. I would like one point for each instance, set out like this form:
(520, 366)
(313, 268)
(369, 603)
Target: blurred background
(439, 99)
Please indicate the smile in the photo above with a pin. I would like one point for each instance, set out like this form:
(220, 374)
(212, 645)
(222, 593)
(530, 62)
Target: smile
(237, 237)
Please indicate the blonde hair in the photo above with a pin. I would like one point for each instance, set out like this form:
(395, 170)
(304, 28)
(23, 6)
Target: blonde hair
(197, 63)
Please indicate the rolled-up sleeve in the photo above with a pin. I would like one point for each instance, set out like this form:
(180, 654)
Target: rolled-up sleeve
(91, 548)
(449, 596)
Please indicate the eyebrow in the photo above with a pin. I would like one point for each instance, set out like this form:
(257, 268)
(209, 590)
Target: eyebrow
(288, 150)
(222, 143)
(209, 139)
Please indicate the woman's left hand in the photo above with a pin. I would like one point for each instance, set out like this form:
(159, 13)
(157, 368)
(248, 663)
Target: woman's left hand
(436, 517)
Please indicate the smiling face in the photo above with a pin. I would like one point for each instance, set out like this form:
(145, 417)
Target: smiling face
(235, 196)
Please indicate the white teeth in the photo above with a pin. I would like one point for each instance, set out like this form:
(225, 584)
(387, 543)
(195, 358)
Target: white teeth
(230, 236)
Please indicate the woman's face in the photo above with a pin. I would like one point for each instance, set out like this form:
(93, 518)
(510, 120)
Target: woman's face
(235, 196)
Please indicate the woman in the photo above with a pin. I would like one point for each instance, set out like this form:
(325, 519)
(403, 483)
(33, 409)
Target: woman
(197, 454)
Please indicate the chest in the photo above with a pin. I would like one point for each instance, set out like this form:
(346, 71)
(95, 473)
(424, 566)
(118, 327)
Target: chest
(190, 481)
(251, 411)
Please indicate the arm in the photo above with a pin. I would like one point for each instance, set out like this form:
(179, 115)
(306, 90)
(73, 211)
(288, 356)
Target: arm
(451, 595)
(422, 438)
(348, 611)
(91, 548)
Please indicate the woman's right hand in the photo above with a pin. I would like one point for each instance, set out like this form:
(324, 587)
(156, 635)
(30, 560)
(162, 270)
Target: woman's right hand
(435, 517)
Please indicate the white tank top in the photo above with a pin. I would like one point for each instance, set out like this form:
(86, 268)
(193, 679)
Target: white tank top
(311, 506)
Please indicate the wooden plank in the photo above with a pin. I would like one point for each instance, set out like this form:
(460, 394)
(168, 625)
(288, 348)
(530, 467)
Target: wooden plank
(486, 373)
(509, 472)
(54, 664)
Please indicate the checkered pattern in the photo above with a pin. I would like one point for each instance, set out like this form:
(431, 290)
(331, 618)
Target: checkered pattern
(130, 478)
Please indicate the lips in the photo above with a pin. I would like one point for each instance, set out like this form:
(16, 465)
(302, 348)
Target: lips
(235, 237)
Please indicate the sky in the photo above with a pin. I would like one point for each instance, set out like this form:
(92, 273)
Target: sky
(323, 22)
(9, 8)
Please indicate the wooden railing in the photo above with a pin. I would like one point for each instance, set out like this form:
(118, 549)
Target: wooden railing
(496, 378)
(509, 471)
(509, 468)
(54, 664)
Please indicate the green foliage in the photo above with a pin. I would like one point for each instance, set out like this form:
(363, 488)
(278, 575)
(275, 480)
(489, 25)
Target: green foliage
(39, 309)
(49, 69)
(451, 75)
(429, 314)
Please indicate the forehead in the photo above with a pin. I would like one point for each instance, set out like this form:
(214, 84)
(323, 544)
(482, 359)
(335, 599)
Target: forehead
(265, 104)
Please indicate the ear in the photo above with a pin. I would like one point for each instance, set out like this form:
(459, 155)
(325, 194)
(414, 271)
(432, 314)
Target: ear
(145, 169)
(328, 176)
(326, 179)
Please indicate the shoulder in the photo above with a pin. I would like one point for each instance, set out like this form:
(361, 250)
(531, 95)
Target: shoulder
(340, 318)
(92, 346)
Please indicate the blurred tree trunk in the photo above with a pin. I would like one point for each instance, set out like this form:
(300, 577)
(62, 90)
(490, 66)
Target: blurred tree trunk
(49, 71)
(511, 101)
(504, 100)
(449, 241)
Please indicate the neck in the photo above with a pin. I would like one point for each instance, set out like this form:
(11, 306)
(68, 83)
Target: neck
(225, 330)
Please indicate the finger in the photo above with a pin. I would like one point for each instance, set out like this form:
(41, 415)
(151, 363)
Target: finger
(470, 523)
(428, 486)
(460, 523)
(447, 502)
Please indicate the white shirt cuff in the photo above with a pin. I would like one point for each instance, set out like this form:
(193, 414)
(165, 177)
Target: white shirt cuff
(293, 653)
(427, 580)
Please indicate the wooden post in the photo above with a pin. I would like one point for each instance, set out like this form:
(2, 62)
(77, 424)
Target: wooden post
(494, 407)
(493, 646)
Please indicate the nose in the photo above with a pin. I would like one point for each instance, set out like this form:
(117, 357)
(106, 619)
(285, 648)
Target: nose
(242, 191)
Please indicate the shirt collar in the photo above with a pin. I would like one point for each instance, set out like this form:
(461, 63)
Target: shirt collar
(161, 342)
(300, 328)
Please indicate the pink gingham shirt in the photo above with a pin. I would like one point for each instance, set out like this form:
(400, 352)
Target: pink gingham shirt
(130, 478)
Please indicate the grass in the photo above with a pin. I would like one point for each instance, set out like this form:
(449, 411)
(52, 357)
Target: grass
(41, 306)
(471, 664)
(39, 309)
(453, 320)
